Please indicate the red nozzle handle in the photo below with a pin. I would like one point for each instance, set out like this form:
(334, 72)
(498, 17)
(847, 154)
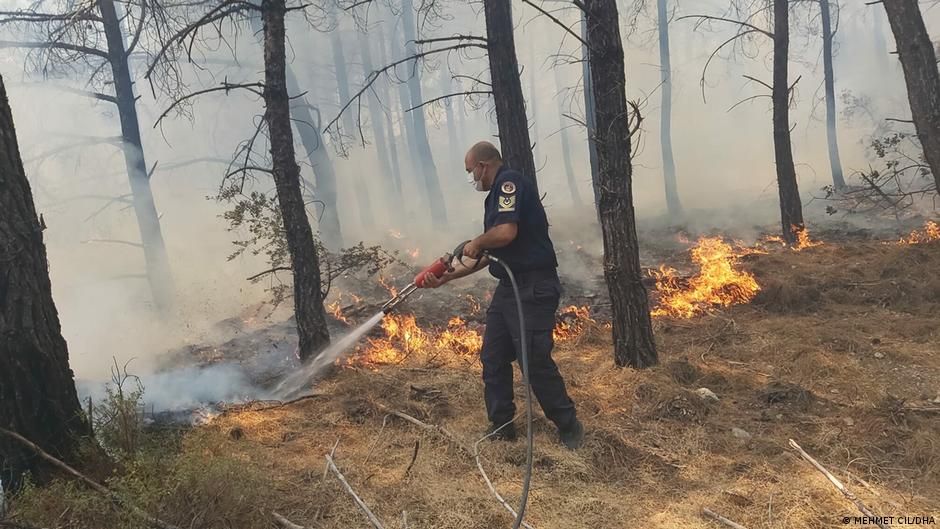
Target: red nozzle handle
(437, 268)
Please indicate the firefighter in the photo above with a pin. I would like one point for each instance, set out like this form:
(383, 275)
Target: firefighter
(515, 231)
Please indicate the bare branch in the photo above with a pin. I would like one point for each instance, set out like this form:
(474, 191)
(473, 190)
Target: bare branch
(54, 45)
(268, 272)
(557, 22)
(225, 87)
(139, 31)
(745, 100)
(714, 53)
(720, 19)
(448, 96)
(758, 81)
(448, 39)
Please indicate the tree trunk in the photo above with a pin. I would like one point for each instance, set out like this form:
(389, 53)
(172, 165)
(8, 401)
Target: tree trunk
(447, 87)
(148, 222)
(37, 391)
(389, 126)
(507, 88)
(308, 298)
(835, 163)
(632, 327)
(406, 122)
(311, 137)
(880, 49)
(673, 204)
(430, 183)
(351, 124)
(919, 62)
(389, 178)
(589, 118)
(791, 209)
(565, 143)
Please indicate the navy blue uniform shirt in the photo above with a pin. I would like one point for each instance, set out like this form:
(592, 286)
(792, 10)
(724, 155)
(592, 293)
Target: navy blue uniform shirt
(513, 198)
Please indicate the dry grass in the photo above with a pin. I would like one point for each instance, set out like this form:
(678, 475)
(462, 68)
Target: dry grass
(800, 362)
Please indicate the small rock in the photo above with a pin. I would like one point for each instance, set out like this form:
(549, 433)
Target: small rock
(833, 390)
(848, 421)
(779, 416)
(879, 355)
(936, 400)
(740, 434)
(706, 394)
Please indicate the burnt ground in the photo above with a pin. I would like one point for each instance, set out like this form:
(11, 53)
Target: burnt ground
(837, 352)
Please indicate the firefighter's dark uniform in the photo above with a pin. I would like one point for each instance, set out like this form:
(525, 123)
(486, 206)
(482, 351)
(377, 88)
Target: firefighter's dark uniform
(531, 256)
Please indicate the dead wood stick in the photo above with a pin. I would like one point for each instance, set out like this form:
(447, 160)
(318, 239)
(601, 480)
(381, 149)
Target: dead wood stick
(414, 457)
(721, 519)
(362, 506)
(285, 523)
(97, 487)
(838, 484)
(475, 454)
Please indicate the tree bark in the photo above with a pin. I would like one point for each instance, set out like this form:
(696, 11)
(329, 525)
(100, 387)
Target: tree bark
(37, 390)
(919, 62)
(308, 298)
(148, 222)
(363, 197)
(589, 118)
(673, 205)
(835, 163)
(430, 184)
(566, 144)
(791, 208)
(510, 104)
(389, 178)
(632, 327)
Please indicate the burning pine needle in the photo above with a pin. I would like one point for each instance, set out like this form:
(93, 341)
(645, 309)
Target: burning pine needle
(717, 283)
(929, 233)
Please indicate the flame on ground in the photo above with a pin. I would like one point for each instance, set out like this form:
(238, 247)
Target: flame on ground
(571, 322)
(802, 239)
(929, 233)
(403, 337)
(391, 289)
(717, 283)
(336, 311)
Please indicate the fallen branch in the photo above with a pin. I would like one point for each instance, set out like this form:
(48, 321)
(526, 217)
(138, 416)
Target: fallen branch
(414, 457)
(97, 487)
(285, 523)
(362, 506)
(475, 454)
(721, 519)
(838, 484)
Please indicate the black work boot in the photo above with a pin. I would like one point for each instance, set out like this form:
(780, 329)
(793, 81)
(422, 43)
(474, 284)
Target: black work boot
(506, 433)
(572, 436)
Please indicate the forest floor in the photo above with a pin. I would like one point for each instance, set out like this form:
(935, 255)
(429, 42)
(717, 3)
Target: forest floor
(838, 352)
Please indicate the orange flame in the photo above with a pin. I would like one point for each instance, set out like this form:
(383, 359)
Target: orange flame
(802, 239)
(571, 322)
(391, 290)
(930, 232)
(403, 337)
(716, 284)
(337, 311)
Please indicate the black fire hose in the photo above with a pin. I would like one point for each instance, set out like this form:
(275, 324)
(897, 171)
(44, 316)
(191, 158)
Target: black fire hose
(524, 354)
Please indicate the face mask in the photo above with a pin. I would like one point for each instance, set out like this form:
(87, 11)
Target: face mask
(477, 184)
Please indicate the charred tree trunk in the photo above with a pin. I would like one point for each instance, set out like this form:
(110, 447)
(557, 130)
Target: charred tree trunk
(148, 222)
(389, 178)
(835, 163)
(665, 129)
(632, 327)
(308, 298)
(363, 198)
(919, 62)
(791, 208)
(507, 88)
(589, 118)
(566, 144)
(430, 183)
(311, 137)
(37, 391)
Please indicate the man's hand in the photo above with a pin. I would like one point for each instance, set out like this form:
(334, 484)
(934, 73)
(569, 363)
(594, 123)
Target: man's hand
(432, 281)
(473, 249)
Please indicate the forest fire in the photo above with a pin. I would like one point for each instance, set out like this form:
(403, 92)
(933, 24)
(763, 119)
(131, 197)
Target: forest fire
(403, 337)
(803, 241)
(717, 283)
(929, 233)
(571, 322)
(336, 311)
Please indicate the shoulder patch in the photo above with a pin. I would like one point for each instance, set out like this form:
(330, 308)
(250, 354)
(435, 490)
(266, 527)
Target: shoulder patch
(507, 203)
(508, 188)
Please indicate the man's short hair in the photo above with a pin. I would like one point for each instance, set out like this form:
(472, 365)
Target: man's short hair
(485, 151)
